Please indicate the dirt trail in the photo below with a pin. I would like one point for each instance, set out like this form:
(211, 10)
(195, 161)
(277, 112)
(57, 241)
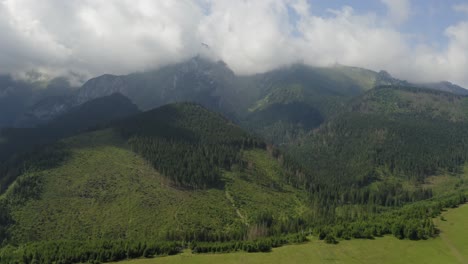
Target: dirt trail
(231, 200)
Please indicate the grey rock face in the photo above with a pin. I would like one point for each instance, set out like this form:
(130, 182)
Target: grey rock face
(101, 86)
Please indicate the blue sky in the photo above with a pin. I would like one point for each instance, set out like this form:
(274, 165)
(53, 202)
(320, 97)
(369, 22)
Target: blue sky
(415, 40)
(427, 21)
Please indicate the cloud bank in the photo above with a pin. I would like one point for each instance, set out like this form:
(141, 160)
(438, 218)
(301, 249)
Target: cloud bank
(92, 37)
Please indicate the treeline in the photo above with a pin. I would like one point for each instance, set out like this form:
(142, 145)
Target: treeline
(331, 223)
(259, 245)
(65, 252)
(413, 221)
(187, 143)
(409, 222)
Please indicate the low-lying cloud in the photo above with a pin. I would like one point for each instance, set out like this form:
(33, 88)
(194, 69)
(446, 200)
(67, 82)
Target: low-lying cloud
(92, 37)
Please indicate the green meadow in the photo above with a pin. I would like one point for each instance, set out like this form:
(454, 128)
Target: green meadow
(450, 247)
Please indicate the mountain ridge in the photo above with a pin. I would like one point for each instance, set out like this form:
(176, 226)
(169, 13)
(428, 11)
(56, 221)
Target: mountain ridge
(217, 87)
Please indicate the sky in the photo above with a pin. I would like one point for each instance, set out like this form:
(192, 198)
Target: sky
(415, 40)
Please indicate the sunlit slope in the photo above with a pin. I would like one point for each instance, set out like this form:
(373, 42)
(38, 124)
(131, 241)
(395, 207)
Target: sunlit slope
(105, 187)
(450, 247)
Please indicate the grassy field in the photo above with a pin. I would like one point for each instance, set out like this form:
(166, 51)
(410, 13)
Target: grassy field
(450, 247)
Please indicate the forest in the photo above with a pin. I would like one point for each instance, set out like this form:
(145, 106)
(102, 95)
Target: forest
(363, 173)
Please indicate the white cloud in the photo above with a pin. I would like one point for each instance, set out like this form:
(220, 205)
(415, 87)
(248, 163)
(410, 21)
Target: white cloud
(98, 36)
(250, 36)
(350, 39)
(398, 10)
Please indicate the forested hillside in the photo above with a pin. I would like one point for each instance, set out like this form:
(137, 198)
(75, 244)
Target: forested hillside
(293, 100)
(188, 143)
(400, 130)
(182, 176)
(381, 151)
(160, 179)
(18, 145)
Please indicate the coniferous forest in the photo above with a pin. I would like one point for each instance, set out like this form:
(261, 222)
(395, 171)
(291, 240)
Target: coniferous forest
(350, 165)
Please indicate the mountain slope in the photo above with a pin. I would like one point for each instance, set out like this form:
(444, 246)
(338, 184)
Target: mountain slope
(109, 192)
(201, 140)
(403, 132)
(446, 87)
(293, 100)
(105, 187)
(198, 80)
(16, 142)
(244, 99)
(306, 95)
(184, 176)
(216, 87)
(18, 96)
(99, 197)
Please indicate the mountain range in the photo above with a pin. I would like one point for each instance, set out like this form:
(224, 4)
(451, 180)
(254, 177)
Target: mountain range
(316, 92)
(194, 156)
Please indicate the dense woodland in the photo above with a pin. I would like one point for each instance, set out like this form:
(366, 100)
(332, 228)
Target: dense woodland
(355, 169)
(357, 165)
(188, 143)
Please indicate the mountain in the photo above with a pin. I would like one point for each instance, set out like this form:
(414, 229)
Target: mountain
(295, 99)
(242, 98)
(389, 136)
(215, 86)
(18, 96)
(12, 101)
(446, 87)
(179, 172)
(76, 120)
(16, 142)
(198, 80)
(92, 113)
(279, 105)
(183, 176)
